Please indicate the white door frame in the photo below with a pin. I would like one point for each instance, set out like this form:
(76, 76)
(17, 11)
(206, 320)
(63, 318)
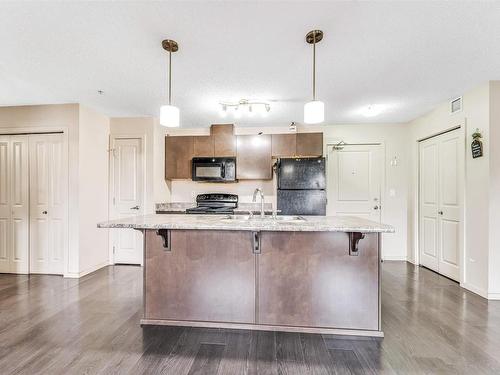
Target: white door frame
(53, 129)
(111, 190)
(332, 141)
(461, 128)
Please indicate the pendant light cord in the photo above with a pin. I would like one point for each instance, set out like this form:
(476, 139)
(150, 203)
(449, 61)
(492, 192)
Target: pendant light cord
(170, 76)
(314, 65)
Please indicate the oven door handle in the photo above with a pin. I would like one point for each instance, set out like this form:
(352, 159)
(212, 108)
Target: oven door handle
(223, 170)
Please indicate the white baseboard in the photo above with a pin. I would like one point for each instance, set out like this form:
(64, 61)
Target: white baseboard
(401, 258)
(494, 296)
(475, 289)
(77, 275)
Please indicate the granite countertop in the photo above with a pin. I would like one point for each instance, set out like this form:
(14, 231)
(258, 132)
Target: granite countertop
(222, 222)
(180, 207)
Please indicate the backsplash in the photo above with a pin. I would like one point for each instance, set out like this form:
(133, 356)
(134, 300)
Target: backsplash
(186, 190)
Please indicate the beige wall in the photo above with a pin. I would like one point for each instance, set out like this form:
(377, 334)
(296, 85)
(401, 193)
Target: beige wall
(54, 117)
(395, 139)
(93, 189)
(494, 192)
(87, 135)
(475, 114)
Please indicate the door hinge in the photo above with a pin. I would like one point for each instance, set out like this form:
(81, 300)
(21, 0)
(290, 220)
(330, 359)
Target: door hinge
(114, 249)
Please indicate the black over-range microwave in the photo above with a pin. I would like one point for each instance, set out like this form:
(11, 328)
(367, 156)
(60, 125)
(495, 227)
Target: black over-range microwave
(214, 169)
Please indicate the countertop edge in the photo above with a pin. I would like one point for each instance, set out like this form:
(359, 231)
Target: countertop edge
(274, 228)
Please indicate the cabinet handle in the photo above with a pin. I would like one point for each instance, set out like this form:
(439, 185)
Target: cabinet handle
(44, 212)
(134, 208)
(440, 212)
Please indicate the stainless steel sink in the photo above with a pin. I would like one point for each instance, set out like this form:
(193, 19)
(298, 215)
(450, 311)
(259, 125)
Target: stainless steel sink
(267, 219)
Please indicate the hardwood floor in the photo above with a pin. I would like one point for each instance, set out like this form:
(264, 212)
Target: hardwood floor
(51, 325)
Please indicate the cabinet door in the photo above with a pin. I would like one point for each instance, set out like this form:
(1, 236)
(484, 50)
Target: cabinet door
(224, 140)
(253, 157)
(308, 279)
(203, 145)
(309, 144)
(284, 145)
(178, 155)
(206, 276)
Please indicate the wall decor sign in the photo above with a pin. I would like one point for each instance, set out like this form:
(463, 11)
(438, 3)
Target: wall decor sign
(477, 144)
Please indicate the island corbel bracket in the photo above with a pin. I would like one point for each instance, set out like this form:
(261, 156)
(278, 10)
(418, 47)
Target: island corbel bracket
(354, 238)
(165, 234)
(256, 247)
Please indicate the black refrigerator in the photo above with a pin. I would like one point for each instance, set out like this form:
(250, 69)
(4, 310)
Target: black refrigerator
(301, 186)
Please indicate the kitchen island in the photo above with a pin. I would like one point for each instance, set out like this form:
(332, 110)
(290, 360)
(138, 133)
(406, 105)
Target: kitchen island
(301, 274)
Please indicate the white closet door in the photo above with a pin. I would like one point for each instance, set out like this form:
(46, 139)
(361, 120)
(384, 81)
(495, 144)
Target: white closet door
(441, 168)
(47, 204)
(429, 203)
(19, 175)
(14, 204)
(5, 209)
(127, 198)
(450, 157)
(354, 179)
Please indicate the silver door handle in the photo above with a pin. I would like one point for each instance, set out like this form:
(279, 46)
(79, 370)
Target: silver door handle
(440, 212)
(134, 208)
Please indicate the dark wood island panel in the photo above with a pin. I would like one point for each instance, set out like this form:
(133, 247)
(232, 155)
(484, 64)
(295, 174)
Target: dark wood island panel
(309, 279)
(295, 281)
(206, 276)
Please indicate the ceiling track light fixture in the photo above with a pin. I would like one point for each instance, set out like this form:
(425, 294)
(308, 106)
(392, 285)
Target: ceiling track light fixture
(314, 111)
(169, 114)
(250, 105)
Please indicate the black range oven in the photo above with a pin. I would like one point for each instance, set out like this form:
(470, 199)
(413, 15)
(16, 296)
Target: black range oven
(214, 169)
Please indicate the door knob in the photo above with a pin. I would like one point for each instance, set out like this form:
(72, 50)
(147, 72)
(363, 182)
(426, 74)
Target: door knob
(134, 208)
(440, 212)
(375, 208)
(44, 212)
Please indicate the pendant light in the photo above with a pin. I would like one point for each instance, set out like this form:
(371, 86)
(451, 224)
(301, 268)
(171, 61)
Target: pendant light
(314, 111)
(169, 114)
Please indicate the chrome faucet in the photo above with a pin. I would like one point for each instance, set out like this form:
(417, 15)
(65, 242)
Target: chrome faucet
(259, 191)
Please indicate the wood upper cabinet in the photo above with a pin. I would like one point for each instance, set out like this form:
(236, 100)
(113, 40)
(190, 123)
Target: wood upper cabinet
(284, 145)
(178, 155)
(203, 145)
(253, 159)
(309, 144)
(224, 140)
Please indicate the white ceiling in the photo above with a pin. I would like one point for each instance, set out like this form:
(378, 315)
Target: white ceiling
(406, 56)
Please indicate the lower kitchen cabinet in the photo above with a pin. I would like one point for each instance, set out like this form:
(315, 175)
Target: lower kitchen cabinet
(298, 279)
(308, 279)
(205, 276)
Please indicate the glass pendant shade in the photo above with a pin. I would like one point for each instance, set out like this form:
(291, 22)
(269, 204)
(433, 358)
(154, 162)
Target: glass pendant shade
(314, 112)
(169, 116)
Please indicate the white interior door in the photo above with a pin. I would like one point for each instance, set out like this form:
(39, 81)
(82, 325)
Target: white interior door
(441, 165)
(14, 204)
(128, 196)
(354, 179)
(47, 204)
